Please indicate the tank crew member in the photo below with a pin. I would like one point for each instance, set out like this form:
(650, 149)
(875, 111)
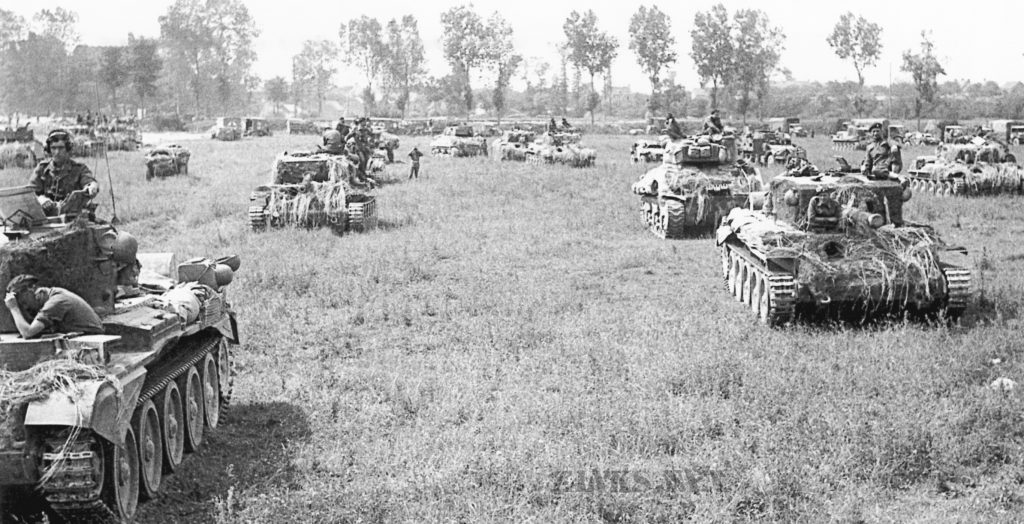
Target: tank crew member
(360, 137)
(60, 182)
(552, 126)
(333, 142)
(672, 128)
(566, 125)
(882, 157)
(342, 127)
(414, 155)
(713, 124)
(54, 308)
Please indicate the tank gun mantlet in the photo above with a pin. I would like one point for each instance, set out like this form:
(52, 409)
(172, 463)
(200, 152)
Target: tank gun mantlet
(700, 150)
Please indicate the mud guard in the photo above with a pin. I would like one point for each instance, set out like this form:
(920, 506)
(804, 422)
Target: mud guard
(228, 327)
(100, 405)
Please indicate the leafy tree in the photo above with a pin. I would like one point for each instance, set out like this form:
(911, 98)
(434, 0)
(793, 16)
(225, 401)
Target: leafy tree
(144, 65)
(277, 92)
(58, 23)
(502, 57)
(113, 71)
(465, 45)
(590, 49)
(27, 72)
(314, 67)
(713, 49)
(405, 58)
(12, 28)
(756, 52)
(212, 40)
(925, 68)
(650, 37)
(857, 40)
(363, 47)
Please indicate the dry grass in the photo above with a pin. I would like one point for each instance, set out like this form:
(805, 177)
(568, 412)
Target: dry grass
(510, 321)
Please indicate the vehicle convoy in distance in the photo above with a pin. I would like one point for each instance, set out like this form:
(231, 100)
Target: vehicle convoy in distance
(837, 242)
(699, 181)
(167, 160)
(313, 189)
(979, 167)
(458, 141)
(90, 423)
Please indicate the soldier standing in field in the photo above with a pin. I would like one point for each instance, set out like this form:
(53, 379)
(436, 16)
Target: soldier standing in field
(414, 155)
(62, 184)
(883, 157)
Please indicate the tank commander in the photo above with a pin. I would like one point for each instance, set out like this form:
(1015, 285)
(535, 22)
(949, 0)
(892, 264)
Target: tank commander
(882, 157)
(713, 124)
(62, 184)
(566, 125)
(55, 309)
(672, 128)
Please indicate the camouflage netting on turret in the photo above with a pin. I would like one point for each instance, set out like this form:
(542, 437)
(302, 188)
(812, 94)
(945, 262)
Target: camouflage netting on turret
(293, 168)
(890, 264)
(70, 258)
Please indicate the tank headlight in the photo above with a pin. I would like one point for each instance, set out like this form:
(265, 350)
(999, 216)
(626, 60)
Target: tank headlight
(791, 198)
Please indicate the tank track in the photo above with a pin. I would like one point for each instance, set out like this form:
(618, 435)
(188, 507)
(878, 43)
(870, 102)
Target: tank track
(672, 216)
(958, 285)
(362, 216)
(770, 295)
(74, 492)
(257, 218)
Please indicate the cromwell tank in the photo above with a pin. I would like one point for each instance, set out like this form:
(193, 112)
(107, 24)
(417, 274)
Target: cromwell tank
(837, 242)
(561, 148)
(456, 141)
(314, 190)
(979, 168)
(513, 145)
(89, 423)
(167, 160)
(698, 182)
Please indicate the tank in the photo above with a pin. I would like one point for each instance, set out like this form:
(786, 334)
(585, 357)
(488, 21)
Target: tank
(120, 134)
(84, 142)
(837, 242)
(313, 189)
(699, 181)
(167, 160)
(458, 141)
(18, 148)
(561, 148)
(89, 423)
(513, 145)
(646, 151)
(983, 167)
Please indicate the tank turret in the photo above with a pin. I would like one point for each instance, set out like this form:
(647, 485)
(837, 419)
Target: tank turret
(699, 181)
(838, 242)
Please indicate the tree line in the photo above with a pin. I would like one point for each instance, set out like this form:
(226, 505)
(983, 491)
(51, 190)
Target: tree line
(201, 65)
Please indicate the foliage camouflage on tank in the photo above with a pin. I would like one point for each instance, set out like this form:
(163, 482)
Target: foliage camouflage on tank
(699, 181)
(838, 242)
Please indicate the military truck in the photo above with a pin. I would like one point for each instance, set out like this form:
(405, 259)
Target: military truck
(167, 160)
(837, 242)
(227, 128)
(90, 423)
(314, 189)
(699, 181)
(458, 141)
(253, 126)
(1009, 131)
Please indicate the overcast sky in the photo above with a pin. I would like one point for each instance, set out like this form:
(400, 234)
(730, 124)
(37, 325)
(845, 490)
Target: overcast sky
(976, 44)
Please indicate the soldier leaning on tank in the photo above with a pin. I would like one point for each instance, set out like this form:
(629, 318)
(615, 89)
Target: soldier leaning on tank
(52, 308)
(60, 182)
(713, 124)
(342, 127)
(672, 128)
(883, 157)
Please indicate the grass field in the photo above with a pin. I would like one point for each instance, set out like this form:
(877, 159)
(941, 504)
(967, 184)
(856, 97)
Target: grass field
(512, 339)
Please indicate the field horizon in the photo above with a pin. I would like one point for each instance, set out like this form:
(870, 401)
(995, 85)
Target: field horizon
(512, 344)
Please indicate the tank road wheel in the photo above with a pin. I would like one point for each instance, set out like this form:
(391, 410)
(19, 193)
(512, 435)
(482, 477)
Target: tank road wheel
(749, 283)
(734, 274)
(757, 294)
(958, 291)
(146, 424)
(257, 218)
(211, 391)
(172, 426)
(191, 387)
(763, 300)
(672, 219)
(121, 477)
(226, 374)
(780, 307)
(741, 280)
